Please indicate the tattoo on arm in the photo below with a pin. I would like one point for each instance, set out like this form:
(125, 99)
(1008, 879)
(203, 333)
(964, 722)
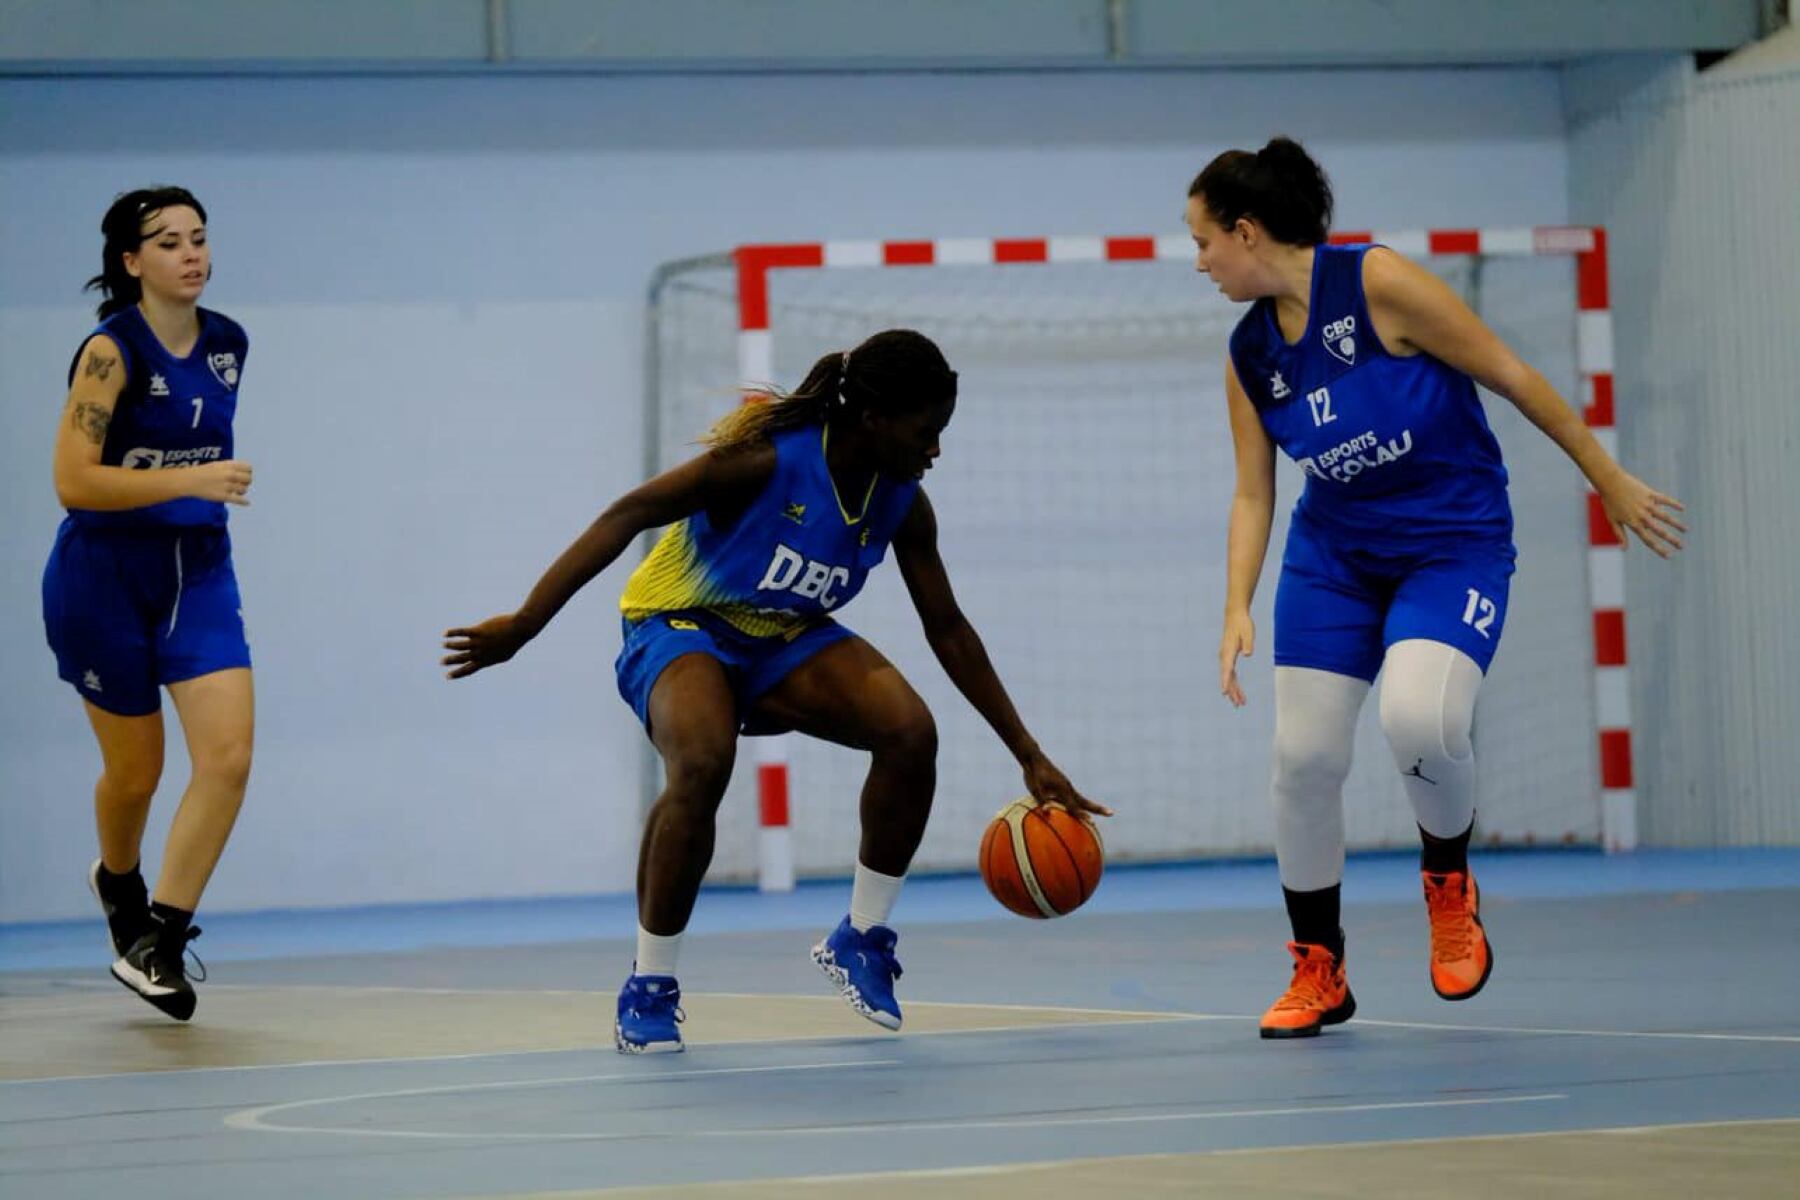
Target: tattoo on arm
(99, 365)
(92, 420)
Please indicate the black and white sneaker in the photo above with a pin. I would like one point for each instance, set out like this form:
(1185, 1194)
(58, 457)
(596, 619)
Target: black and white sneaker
(126, 903)
(153, 968)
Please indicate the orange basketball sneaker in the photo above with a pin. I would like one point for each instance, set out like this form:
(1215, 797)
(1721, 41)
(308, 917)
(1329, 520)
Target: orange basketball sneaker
(1318, 996)
(1461, 958)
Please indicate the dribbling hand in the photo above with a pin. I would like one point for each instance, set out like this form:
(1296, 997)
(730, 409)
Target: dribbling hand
(485, 645)
(1238, 641)
(1048, 785)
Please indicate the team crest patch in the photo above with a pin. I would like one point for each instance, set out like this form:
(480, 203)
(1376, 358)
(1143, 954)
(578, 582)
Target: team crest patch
(1340, 340)
(224, 367)
(795, 513)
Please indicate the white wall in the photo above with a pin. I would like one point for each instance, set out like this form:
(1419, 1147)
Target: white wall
(443, 282)
(1696, 179)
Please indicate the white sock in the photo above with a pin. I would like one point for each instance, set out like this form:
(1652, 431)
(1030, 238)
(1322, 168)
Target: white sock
(872, 898)
(656, 955)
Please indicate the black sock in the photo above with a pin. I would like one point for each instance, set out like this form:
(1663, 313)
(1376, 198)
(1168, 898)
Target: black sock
(127, 887)
(1314, 917)
(174, 922)
(1442, 856)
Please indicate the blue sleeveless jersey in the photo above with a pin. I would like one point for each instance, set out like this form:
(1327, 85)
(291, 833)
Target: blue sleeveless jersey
(798, 553)
(1394, 449)
(172, 413)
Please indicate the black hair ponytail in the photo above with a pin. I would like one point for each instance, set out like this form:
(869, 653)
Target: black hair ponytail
(1280, 185)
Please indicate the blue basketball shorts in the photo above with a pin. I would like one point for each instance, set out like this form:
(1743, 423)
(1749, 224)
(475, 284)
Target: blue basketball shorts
(1340, 605)
(127, 611)
(752, 664)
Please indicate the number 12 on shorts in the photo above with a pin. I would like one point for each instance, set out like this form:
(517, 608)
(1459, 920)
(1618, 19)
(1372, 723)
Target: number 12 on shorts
(1479, 613)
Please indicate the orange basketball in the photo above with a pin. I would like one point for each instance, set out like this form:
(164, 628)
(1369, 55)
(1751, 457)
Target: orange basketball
(1041, 860)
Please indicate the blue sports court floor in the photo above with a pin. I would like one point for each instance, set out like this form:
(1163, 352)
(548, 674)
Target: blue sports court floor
(1638, 1038)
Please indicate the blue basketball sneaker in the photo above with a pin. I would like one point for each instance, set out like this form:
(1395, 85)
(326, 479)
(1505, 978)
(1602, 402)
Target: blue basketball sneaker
(649, 1010)
(864, 968)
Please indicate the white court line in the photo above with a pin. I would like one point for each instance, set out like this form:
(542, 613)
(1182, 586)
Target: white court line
(1126, 1017)
(1596, 1033)
(924, 1173)
(1148, 1018)
(252, 1118)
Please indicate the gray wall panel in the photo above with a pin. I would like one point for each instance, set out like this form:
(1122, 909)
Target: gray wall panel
(1696, 179)
(196, 33)
(54, 36)
(1323, 31)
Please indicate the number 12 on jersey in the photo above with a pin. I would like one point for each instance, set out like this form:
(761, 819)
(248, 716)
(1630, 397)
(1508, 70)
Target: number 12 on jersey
(1479, 613)
(1320, 403)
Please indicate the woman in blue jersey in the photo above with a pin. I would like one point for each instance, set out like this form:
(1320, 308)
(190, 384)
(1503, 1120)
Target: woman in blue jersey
(1361, 366)
(728, 630)
(139, 593)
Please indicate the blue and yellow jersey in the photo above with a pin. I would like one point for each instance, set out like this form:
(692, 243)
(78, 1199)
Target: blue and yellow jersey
(1391, 447)
(796, 554)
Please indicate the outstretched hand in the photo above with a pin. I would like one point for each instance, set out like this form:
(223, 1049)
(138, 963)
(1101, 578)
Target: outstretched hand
(485, 645)
(1632, 504)
(1048, 785)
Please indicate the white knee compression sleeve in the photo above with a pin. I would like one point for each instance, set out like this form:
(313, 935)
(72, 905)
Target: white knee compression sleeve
(1315, 731)
(1427, 707)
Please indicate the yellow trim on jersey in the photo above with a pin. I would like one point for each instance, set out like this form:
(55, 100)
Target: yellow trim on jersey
(672, 578)
(824, 445)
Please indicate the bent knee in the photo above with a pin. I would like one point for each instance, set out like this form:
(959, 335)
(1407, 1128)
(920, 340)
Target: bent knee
(1424, 727)
(700, 775)
(910, 737)
(1304, 751)
(226, 764)
(134, 781)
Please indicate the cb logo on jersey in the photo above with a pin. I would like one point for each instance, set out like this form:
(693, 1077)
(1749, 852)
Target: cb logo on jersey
(224, 367)
(1340, 339)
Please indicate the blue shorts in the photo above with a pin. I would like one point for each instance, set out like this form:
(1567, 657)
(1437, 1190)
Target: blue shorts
(752, 664)
(129, 610)
(1340, 605)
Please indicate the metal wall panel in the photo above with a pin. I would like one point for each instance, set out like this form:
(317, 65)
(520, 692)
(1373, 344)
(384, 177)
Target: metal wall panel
(204, 34)
(1290, 32)
(1698, 181)
(58, 36)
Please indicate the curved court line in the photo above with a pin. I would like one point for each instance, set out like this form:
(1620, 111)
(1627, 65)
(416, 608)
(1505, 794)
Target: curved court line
(251, 1119)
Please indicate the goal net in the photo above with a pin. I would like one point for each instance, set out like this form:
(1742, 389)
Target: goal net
(1082, 500)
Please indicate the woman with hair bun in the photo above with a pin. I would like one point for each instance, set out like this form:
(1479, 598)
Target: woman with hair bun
(1362, 367)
